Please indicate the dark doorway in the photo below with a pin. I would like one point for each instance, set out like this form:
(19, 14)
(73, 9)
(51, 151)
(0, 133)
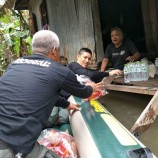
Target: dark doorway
(126, 14)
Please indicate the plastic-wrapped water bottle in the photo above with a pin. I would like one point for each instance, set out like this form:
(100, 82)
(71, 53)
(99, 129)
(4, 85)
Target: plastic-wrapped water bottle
(126, 74)
(143, 71)
(146, 71)
(139, 77)
(156, 65)
(134, 70)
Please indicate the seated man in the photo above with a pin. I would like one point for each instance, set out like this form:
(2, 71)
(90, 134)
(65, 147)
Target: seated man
(81, 66)
(120, 51)
(60, 115)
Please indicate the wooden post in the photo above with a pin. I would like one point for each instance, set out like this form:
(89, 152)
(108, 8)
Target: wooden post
(147, 117)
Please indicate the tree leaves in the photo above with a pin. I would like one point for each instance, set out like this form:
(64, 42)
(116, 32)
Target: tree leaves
(14, 37)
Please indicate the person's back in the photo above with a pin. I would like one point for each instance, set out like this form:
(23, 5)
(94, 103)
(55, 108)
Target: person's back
(30, 89)
(32, 86)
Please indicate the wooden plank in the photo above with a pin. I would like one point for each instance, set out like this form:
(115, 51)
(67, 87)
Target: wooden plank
(132, 89)
(151, 82)
(147, 117)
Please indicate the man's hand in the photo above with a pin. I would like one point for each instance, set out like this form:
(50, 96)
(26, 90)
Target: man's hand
(130, 58)
(115, 72)
(134, 57)
(96, 86)
(73, 107)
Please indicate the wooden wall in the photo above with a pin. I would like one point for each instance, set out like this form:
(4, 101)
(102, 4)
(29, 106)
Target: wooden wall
(34, 10)
(150, 17)
(76, 22)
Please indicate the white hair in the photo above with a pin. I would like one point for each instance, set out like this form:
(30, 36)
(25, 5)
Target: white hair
(43, 41)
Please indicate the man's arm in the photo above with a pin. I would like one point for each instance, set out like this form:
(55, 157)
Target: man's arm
(134, 57)
(72, 86)
(104, 64)
(62, 102)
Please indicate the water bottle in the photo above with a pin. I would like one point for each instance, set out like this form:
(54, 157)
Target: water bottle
(142, 71)
(139, 71)
(125, 71)
(156, 65)
(146, 71)
(134, 71)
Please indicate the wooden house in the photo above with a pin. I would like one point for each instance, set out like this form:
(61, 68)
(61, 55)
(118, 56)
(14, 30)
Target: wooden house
(87, 23)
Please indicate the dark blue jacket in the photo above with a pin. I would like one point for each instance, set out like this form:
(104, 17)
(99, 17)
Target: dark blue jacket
(29, 89)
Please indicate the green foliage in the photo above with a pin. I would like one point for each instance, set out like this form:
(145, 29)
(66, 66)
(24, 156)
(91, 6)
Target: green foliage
(14, 37)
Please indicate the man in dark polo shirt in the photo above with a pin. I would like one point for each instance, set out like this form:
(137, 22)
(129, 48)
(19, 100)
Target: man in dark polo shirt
(120, 51)
(29, 89)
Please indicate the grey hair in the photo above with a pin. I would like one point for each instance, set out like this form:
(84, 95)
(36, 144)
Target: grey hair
(43, 41)
(117, 29)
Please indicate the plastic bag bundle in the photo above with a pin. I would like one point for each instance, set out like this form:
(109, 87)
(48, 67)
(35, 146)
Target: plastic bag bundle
(98, 94)
(60, 142)
(83, 79)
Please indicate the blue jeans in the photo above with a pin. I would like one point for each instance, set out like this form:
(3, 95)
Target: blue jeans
(38, 151)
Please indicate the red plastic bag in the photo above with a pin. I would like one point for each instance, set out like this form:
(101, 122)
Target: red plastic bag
(95, 95)
(60, 142)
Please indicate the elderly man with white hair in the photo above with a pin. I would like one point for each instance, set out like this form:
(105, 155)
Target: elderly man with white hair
(29, 90)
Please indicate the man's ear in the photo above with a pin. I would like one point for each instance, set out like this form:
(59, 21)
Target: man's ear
(55, 54)
(53, 51)
(52, 54)
(78, 56)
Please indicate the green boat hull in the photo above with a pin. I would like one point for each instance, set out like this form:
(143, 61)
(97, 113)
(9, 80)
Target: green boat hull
(98, 134)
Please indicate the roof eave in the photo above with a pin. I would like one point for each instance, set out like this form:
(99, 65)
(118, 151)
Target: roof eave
(21, 5)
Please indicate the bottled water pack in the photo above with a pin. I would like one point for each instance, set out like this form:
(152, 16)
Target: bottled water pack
(136, 71)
